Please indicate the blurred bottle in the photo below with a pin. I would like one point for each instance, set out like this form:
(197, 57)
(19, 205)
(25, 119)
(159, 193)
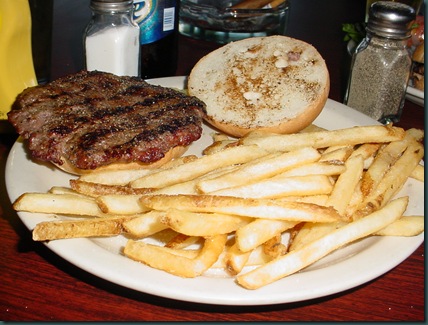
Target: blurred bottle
(16, 61)
(158, 21)
(41, 38)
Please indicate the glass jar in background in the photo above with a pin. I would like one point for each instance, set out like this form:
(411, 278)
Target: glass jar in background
(111, 39)
(415, 4)
(227, 21)
(158, 21)
(381, 63)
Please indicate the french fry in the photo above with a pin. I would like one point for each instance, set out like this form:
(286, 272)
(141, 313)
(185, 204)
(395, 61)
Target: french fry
(338, 155)
(181, 241)
(261, 168)
(311, 231)
(201, 166)
(255, 208)
(160, 258)
(58, 204)
(127, 175)
(93, 227)
(274, 247)
(323, 139)
(316, 168)
(312, 252)
(280, 186)
(145, 225)
(235, 259)
(120, 204)
(392, 181)
(406, 226)
(202, 224)
(95, 189)
(344, 187)
(259, 231)
(386, 157)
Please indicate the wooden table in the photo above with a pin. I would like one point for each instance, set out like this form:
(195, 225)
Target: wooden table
(38, 285)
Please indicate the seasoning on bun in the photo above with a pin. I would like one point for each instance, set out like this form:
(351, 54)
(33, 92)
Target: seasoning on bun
(276, 84)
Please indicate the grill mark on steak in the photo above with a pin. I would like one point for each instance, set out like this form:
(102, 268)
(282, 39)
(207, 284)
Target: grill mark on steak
(95, 118)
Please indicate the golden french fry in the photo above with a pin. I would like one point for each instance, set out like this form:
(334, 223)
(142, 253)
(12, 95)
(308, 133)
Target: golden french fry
(385, 158)
(312, 252)
(217, 146)
(259, 231)
(261, 168)
(279, 186)
(127, 175)
(311, 231)
(181, 241)
(202, 224)
(161, 258)
(58, 203)
(93, 227)
(145, 225)
(235, 259)
(392, 181)
(201, 166)
(95, 189)
(316, 168)
(367, 151)
(346, 183)
(406, 226)
(120, 204)
(324, 139)
(274, 247)
(190, 187)
(64, 190)
(245, 207)
(338, 155)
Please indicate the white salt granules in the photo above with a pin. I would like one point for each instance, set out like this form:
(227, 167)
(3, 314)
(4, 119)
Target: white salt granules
(114, 50)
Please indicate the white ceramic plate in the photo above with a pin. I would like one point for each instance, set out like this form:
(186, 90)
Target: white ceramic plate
(346, 268)
(415, 95)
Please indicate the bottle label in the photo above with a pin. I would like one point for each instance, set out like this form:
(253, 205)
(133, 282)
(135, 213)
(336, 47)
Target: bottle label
(156, 19)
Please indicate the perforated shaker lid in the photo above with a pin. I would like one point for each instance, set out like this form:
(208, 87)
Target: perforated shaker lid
(390, 19)
(111, 5)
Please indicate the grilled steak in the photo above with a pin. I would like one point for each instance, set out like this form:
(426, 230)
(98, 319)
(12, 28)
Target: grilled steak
(94, 119)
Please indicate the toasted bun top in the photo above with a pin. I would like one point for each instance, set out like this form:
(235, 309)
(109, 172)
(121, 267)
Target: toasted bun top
(418, 54)
(273, 83)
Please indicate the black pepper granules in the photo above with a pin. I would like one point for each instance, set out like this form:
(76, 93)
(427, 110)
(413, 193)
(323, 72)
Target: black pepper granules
(381, 64)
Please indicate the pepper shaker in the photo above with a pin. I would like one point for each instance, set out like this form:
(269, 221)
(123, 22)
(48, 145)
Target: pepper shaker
(381, 64)
(111, 39)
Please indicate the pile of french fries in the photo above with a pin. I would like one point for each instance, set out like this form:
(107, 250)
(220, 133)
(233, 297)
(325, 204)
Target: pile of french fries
(261, 207)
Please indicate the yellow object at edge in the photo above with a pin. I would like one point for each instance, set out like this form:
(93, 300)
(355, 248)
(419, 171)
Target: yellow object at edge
(16, 61)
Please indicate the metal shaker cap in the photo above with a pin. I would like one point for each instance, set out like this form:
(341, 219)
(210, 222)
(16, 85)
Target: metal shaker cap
(390, 19)
(111, 5)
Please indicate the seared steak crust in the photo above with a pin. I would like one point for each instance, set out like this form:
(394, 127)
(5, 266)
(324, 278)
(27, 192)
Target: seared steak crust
(94, 119)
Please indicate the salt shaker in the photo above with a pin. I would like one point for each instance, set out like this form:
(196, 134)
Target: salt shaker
(381, 64)
(112, 38)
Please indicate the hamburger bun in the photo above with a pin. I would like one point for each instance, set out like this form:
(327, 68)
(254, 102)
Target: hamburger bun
(274, 84)
(173, 153)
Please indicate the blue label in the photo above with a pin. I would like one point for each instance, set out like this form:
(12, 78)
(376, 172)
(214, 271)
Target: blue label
(155, 18)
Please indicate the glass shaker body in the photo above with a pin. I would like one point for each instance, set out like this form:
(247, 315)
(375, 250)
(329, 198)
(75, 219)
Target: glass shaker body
(111, 41)
(380, 71)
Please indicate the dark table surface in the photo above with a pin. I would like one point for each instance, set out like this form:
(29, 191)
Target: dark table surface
(38, 285)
